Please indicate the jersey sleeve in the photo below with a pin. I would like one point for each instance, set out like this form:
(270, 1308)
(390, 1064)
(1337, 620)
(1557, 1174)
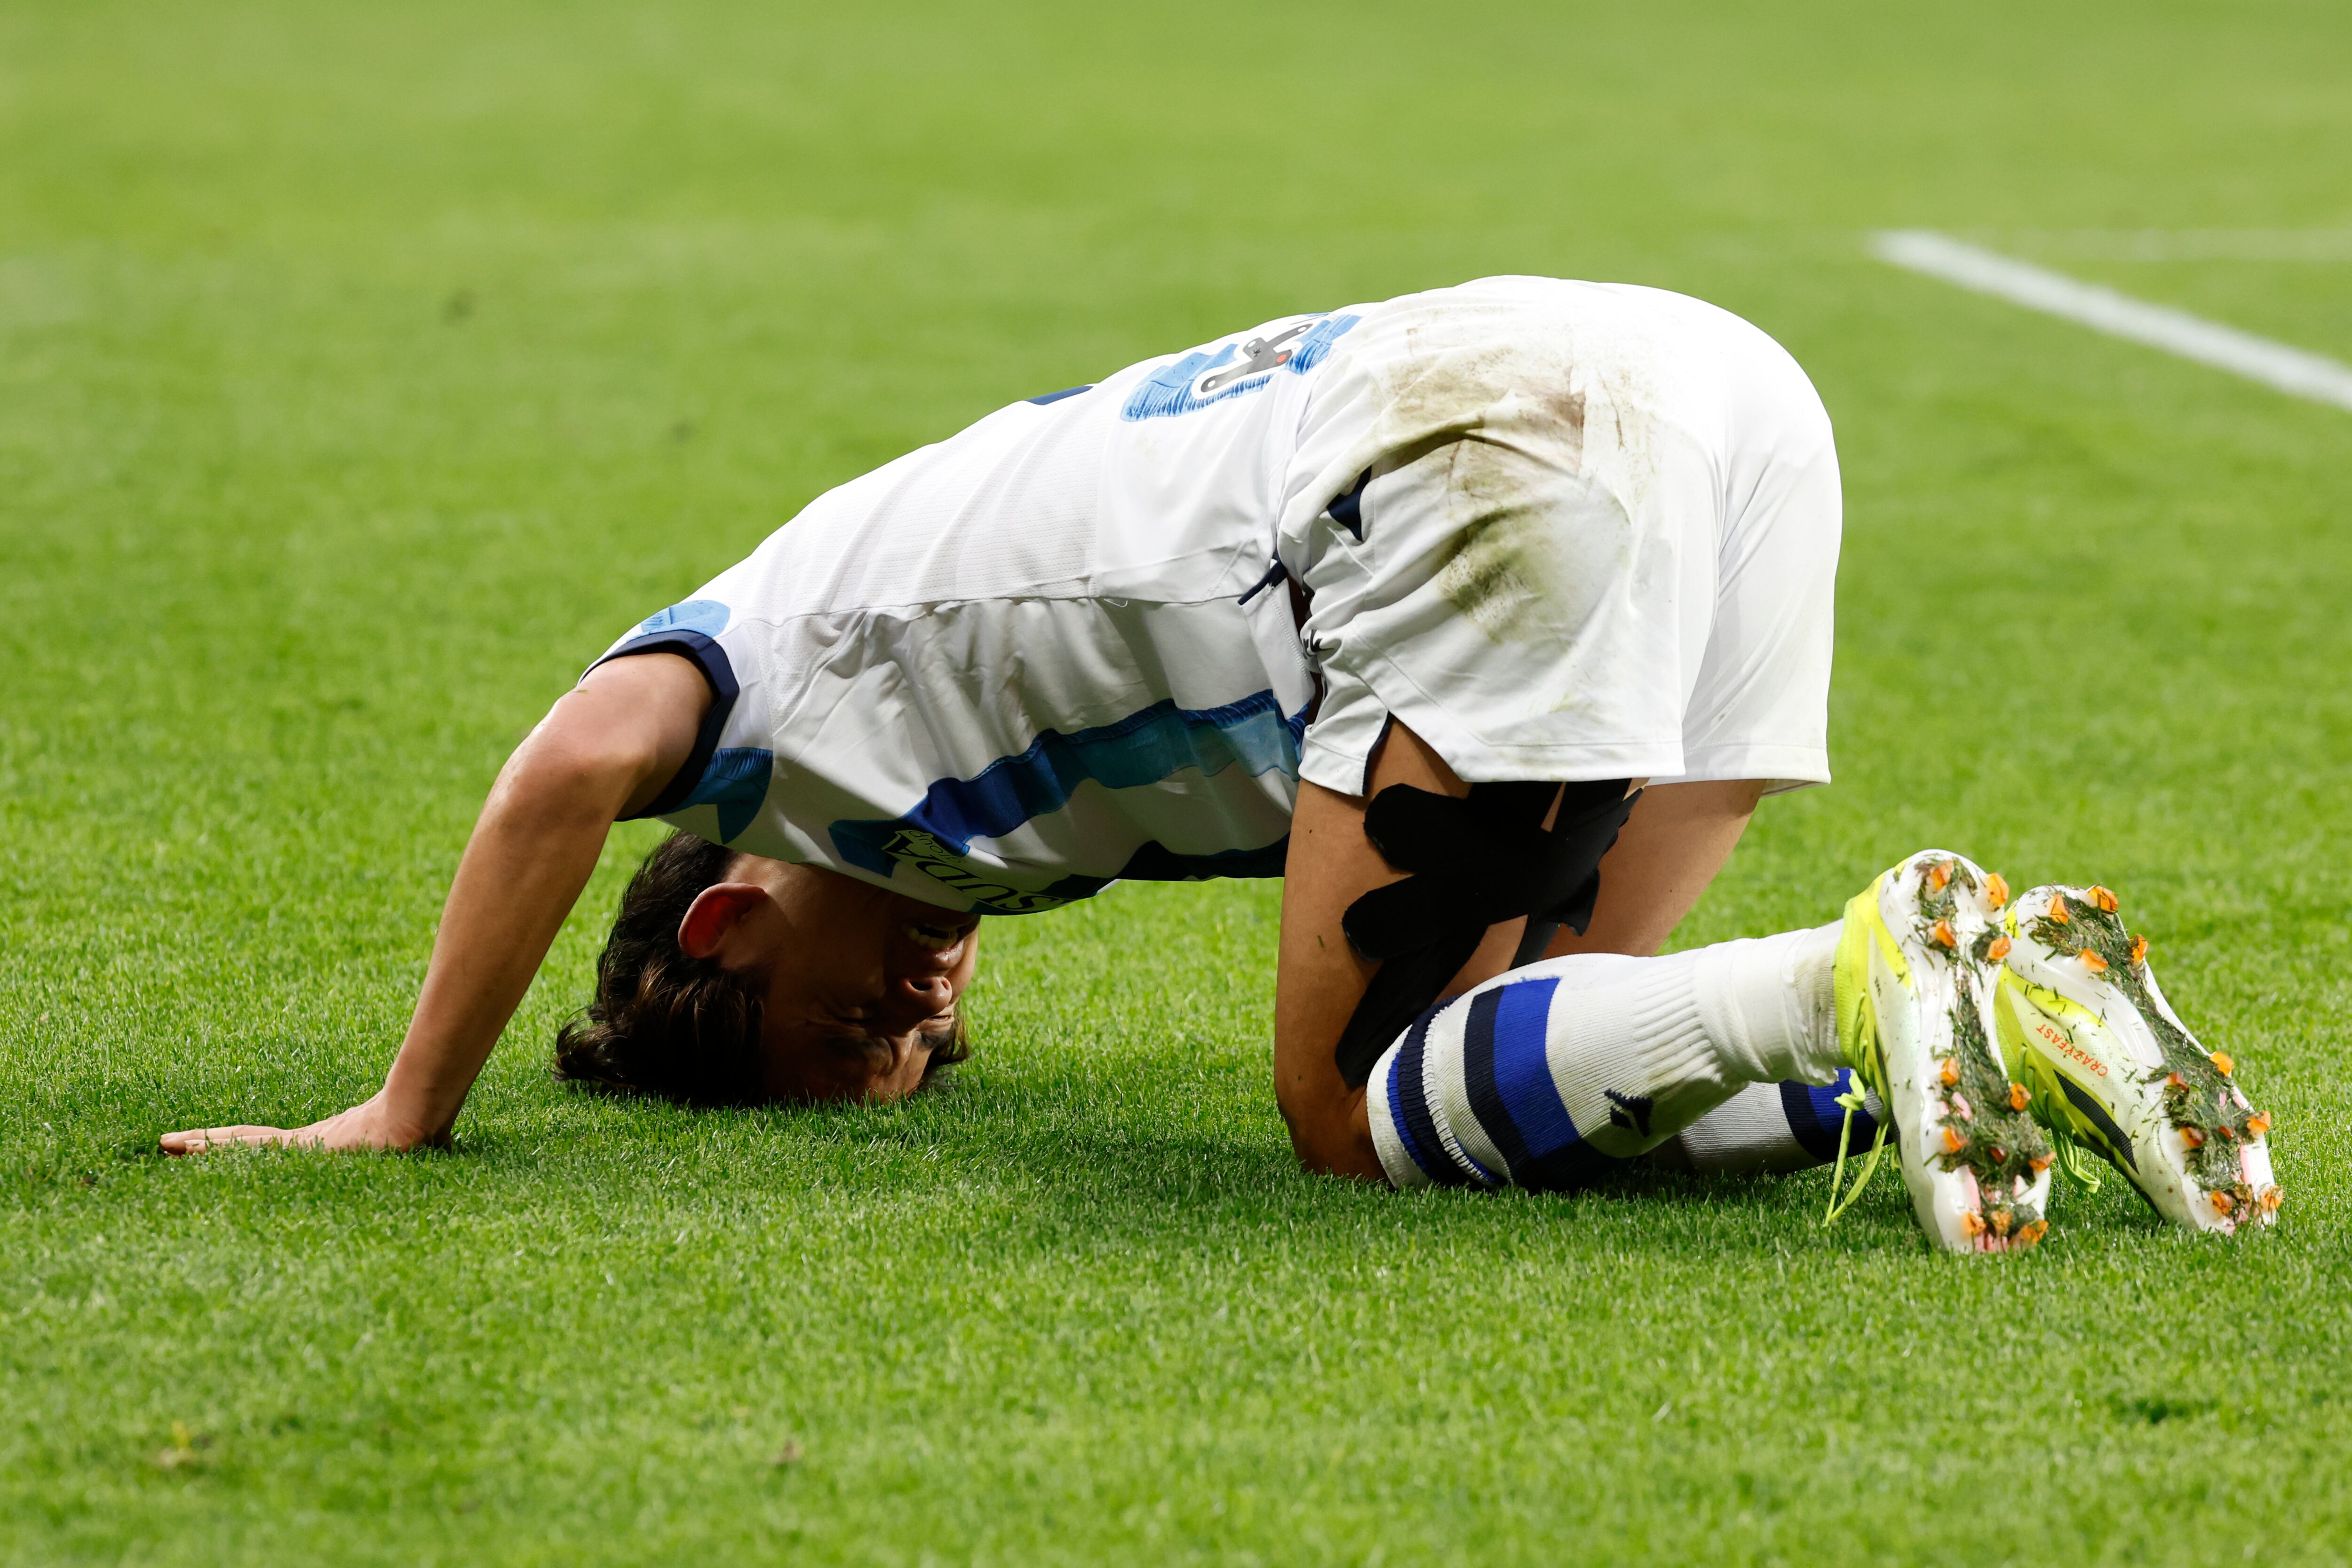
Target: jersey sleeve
(690, 629)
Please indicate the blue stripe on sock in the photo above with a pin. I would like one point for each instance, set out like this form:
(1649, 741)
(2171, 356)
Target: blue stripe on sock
(1506, 1067)
(1486, 1095)
(1815, 1117)
(1408, 1104)
(1523, 1067)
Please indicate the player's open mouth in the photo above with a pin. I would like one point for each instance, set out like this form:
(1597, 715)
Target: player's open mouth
(933, 938)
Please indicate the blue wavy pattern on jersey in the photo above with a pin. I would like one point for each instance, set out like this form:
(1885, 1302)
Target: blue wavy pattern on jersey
(737, 783)
(707, 616)
(1168, 391)
(1144, 748)
(1316, 347)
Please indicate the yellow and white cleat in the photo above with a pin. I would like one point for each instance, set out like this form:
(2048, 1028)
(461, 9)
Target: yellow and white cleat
(2111, 1066)
(1918, 968)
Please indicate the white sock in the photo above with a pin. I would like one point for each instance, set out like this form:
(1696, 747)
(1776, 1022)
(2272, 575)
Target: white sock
(1552, 1073)
(1773, 1128)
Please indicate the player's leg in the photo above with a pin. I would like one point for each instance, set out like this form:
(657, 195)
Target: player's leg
(1773, 1129)
(1483, 594)
(1762, 1011)
(1677, 840)
(1550, 1075)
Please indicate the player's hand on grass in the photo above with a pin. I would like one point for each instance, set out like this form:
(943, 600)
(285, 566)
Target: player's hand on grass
(367, 1125)
(607, 748)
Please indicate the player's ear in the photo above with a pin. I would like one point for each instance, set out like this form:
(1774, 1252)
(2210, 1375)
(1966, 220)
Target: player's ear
(714, 916)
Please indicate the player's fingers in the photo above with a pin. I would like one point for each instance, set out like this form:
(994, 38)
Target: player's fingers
(193, 1140)
(196, 1140)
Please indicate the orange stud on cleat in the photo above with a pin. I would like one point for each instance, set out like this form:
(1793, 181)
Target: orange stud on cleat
(2104, 899)
(2040, 1162)
(2001, 1220)
(2258, 1126)
(1940, 876)
(2222, 1202)
(1973, 1224)
(2221, 1060)
(1944, 935)
(2193, 1137)
(2058, 910)
(2174, 1081)
(2139, 950)
(1997, 951)
(2033, 1233)
(2018, 1098)
(2092, 962)
(1996, 889)
(1950, 1073)
(1953, 1142)
(2270, 1199)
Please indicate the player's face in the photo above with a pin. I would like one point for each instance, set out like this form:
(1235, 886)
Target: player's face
(863, 988)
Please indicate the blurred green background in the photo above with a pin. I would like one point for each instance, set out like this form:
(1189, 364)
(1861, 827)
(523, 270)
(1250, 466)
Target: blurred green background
(363, 370)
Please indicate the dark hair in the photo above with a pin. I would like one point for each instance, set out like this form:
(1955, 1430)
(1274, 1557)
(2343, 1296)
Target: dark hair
(662, 1022)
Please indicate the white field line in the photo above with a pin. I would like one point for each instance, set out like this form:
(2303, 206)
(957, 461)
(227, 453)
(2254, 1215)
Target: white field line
(2191, 244)
(2296, 371)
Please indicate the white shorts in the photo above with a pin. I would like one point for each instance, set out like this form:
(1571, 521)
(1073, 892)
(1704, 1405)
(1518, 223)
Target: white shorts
(1599, 533)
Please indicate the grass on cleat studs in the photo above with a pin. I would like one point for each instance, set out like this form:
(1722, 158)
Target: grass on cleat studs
(2201, 1103)
(1982, 1127)
(1985, 1131)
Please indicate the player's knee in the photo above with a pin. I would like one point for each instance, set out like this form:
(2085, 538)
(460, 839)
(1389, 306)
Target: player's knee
(1328, 1133)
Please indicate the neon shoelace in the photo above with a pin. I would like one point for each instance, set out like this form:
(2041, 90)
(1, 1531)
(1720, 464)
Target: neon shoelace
(1852, 1100)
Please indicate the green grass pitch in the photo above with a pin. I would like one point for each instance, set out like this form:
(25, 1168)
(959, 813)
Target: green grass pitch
(363, 369)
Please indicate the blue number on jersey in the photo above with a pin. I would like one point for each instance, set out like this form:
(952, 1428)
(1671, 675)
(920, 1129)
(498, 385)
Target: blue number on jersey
(1198, 380)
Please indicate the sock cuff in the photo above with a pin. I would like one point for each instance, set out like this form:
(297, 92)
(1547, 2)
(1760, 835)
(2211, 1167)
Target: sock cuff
(1403, 1170)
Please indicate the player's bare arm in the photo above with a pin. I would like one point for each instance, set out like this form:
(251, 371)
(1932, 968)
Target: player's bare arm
(603, 750)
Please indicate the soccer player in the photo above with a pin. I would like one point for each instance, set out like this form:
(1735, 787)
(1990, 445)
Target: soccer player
(1484, 616)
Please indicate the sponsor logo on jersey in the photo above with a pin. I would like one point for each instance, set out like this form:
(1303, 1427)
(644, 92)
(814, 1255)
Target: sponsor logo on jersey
(1200, 379)
(933, 859)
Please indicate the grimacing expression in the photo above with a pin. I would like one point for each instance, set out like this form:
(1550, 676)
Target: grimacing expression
(863, 990)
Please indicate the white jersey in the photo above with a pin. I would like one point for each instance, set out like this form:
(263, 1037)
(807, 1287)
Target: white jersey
(1561, 531)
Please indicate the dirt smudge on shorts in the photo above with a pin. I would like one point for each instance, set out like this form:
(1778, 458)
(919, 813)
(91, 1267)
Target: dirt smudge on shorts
(1451, 390)
(1495, 578)
(1508, 426)
(1531, 450)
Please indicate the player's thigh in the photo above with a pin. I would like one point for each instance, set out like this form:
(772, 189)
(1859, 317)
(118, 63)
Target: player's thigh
(1671, 849)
